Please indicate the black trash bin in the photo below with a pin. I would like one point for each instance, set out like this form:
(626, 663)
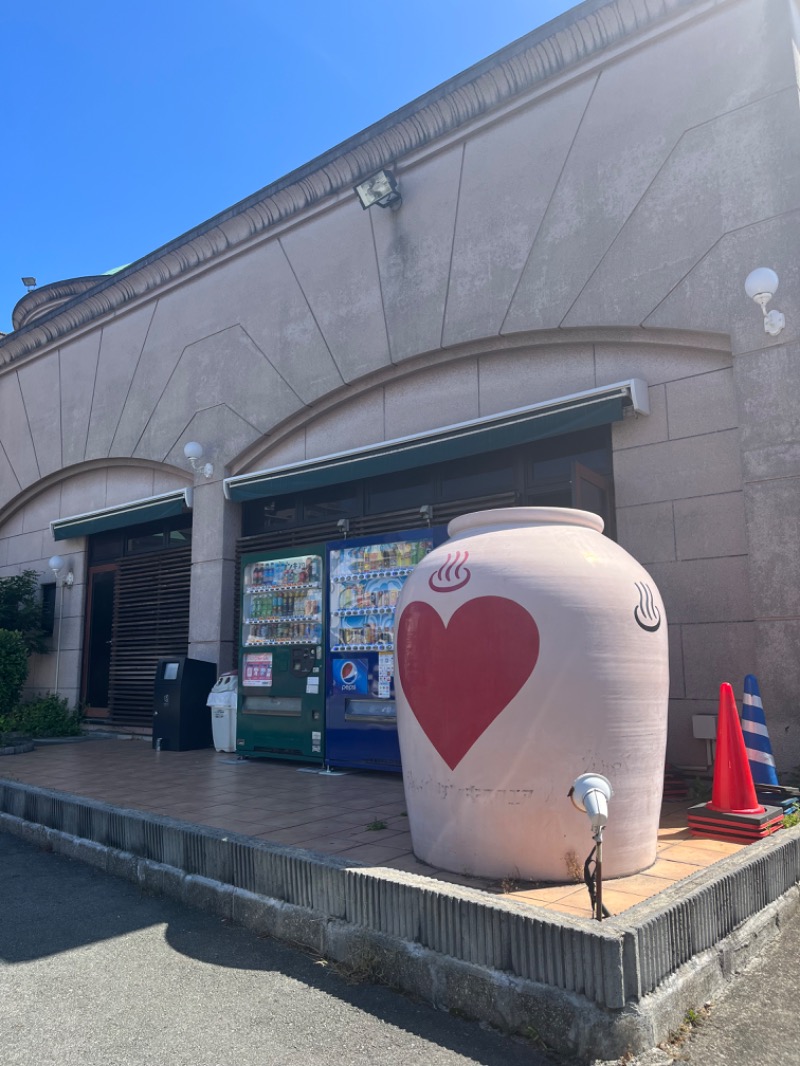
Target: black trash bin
(181, 719)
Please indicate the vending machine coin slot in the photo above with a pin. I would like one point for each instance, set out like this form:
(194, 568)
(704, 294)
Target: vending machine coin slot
(304, 661)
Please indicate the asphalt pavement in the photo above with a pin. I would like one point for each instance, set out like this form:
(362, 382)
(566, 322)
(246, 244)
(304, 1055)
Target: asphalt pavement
(94, 972)
(755, 1022)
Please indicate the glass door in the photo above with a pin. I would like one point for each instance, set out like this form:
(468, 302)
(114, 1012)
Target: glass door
(98, 639)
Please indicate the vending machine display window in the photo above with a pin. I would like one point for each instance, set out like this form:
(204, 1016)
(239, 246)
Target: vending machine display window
(366, 578)
(366, 581)
(283, 602)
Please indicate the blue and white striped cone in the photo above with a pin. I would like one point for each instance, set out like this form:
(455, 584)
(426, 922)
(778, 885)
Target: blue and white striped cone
(756, 737)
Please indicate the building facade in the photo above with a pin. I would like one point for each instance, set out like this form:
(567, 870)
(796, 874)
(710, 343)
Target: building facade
(554, 314)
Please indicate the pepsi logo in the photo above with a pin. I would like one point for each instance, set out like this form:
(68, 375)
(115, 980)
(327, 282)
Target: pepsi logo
(348, 672)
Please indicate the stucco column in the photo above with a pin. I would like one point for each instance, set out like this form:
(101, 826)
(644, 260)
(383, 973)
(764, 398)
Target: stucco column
(767, 377)
(214, 530)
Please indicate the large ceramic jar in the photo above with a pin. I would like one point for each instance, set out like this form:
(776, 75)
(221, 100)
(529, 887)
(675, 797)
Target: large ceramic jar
(530, 649)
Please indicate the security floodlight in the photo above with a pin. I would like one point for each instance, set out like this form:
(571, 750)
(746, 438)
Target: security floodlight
(380, 189)
(29, 283)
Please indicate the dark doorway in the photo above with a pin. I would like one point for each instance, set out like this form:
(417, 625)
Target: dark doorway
(98, 641)
(592, 491)
(137, 610)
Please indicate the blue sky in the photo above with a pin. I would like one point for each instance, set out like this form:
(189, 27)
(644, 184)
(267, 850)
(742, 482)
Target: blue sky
(126, 125)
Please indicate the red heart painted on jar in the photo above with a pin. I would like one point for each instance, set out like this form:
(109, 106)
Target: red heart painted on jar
(458, 678)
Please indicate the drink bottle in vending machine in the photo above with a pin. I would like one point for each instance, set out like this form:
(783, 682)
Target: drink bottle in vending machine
(282, 656)
(365, 578)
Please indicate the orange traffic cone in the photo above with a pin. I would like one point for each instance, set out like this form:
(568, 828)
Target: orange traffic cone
(733, 812)
(733, 791)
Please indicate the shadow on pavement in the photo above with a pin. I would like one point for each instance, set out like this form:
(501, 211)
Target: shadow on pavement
(53, 905)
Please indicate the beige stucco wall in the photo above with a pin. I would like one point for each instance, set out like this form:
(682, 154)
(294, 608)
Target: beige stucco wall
(554, 243)
(26, 543)
(677, 471)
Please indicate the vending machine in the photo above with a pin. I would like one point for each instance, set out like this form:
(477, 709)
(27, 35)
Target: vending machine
(281, 658)
(365, 578)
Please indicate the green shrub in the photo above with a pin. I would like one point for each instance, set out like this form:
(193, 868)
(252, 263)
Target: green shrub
(49, 716)
(700, 790)
(21, 608)
(13, 668)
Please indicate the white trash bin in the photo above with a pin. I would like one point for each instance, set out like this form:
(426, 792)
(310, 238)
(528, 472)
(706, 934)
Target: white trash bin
(222, 701)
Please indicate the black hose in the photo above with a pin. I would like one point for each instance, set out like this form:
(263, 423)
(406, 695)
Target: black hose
(588, 880)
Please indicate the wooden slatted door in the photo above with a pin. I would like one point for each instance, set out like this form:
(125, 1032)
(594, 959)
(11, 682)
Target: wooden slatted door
(151, 621)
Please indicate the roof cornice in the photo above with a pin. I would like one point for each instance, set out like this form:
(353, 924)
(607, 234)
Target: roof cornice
(527, 63)
(38, 302)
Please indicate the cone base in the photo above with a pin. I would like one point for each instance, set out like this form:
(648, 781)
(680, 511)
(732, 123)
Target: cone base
(738, 827)
(733, 838)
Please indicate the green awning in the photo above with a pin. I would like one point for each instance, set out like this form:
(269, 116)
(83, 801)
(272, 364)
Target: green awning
(522, 426)
(126, 514)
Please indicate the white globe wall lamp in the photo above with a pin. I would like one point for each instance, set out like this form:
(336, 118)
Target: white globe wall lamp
(56, 564)
(761, 285)
(194, 453)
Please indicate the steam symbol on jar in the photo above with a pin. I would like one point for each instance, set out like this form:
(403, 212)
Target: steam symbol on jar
(452, 575)
(647, 615)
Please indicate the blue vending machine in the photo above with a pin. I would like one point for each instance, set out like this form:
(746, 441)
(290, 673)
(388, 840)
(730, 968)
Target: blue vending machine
(365, 578)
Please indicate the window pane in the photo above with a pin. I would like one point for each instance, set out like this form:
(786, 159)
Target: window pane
(550, 460)
(48, 607)
(557, 496)
(144, 542)
(480, 475)
(552, 470)
(264, 516)
(106, 547)
(598, 459)
(396, 492)
(339, 501)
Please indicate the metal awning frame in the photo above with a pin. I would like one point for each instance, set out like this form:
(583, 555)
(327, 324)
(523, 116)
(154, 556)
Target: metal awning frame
(631, 393)
(133, 512)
